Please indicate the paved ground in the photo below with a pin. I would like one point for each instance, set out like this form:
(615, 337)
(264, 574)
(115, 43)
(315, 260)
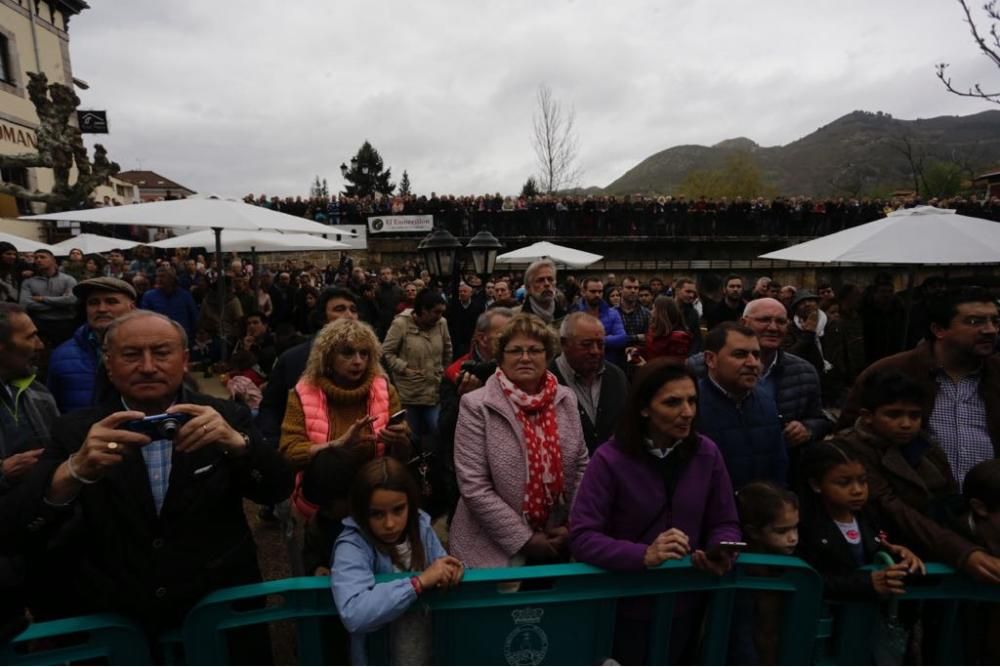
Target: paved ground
(271, 551)
(273, 558)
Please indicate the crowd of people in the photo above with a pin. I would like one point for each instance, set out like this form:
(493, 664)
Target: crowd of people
(629, 215)
(392, 424)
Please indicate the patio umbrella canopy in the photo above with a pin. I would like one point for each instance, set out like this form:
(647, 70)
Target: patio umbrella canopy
(91, 243)
(25, 245)
(195, 212)
(208, 211)
(235, 240)
(912, 236)
(570, 257)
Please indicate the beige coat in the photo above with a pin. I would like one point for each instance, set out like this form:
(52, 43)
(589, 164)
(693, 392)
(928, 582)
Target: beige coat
(428, 352)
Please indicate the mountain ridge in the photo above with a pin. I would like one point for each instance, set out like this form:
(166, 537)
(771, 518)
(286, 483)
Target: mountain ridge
(857, 154)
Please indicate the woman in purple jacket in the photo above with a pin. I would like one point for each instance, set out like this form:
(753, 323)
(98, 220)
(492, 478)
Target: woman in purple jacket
(656, 491)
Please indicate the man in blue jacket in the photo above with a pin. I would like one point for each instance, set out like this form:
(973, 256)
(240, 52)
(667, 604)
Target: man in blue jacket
(73, 365)
(168, 299)
(592, 302)
(736, 413)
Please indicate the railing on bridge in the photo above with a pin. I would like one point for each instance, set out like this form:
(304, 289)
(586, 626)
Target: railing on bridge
(562, 614)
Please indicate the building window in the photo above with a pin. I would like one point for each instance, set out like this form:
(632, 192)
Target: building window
(18, 176)
(5, 73)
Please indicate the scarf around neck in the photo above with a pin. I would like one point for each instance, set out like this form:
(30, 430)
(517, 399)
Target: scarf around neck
(537, 416)
(546, 313)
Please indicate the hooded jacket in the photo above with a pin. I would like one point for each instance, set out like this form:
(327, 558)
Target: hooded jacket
(425, 350)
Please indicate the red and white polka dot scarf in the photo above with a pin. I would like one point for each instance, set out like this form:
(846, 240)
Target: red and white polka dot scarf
(537, 415)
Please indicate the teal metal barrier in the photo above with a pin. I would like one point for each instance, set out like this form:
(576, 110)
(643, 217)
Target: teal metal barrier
(855, 623)
(560, 614)
(305, 600)
(108, 636)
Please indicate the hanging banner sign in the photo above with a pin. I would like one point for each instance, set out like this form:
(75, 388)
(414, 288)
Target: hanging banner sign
(395, 224)
(92, 122)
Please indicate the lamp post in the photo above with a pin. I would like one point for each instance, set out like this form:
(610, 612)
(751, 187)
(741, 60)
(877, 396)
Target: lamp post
(440, 254)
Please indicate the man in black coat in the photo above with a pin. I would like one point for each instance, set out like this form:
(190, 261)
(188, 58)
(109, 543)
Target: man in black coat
(461, 315)
(158, 518)
(387, 296)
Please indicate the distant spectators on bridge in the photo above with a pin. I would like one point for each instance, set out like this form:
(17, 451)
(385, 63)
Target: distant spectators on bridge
(629, 215)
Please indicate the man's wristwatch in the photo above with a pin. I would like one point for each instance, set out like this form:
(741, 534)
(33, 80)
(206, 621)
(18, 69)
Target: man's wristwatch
(246, 444)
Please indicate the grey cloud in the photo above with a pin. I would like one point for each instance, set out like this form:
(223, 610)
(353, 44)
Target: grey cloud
(235, 97)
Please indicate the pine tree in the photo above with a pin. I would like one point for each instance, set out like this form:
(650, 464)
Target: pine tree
(319, 188)
(530, 188)
(366, 177)
(404, 185)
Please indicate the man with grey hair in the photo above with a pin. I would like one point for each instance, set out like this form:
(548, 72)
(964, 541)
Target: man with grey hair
(540, 300)
(600, 387)
(790, 380)
(160, 510)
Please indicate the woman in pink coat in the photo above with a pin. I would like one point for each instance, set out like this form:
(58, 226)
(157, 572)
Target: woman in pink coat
(519, 456)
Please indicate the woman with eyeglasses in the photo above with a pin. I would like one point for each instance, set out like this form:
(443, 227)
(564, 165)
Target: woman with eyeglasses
(519, 456)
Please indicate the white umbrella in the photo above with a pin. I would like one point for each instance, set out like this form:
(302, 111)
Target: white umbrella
(198, 212)
(91, 243)
(912, 236)
(909, 236)
(206, 212)
(237, 240)
(570, 257)
(25, 245)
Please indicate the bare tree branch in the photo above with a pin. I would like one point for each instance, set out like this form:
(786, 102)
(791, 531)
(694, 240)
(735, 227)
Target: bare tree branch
(991, 52)
(555, 143)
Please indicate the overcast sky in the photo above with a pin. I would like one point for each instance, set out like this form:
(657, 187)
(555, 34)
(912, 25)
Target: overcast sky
(238, 96)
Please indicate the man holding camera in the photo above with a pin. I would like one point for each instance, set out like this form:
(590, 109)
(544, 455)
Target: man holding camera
(467, 373)
(160, 520)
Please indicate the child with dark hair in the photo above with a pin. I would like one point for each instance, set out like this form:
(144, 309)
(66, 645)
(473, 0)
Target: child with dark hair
(840, 532)
(978, 519)
(387, 532)
(910, 481)
(327, 484)
(769, 520)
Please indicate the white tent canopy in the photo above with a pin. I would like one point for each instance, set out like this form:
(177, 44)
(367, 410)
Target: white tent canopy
(236, 240)
(576, 259)
(91, 243)
(913, 236)
(25, 245)
(196, 212)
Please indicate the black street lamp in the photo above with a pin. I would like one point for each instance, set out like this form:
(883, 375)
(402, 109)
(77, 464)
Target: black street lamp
(440, 251)
(483, 249)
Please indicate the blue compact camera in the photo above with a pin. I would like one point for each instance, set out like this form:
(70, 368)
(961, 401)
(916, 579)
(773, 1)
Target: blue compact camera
(159, 427)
